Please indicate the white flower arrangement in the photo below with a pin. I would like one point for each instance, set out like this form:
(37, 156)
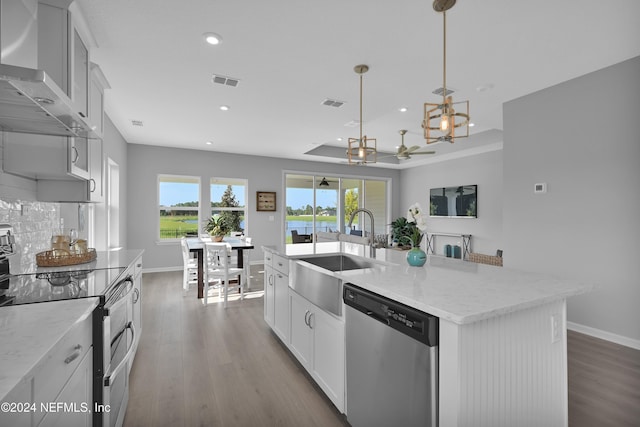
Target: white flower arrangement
(417, 219)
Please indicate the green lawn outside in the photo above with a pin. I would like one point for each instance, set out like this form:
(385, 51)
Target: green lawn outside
(173, 227)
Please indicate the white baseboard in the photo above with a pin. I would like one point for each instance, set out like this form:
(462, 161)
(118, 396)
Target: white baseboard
(604, 335)
(161, 269)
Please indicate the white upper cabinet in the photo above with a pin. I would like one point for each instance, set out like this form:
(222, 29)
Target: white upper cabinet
(64, 43)
(98, 84)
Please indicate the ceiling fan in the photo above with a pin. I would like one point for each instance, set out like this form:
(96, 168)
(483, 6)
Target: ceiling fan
(405, 153)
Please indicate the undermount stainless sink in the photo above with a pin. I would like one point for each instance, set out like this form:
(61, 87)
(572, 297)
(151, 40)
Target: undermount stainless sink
(339, 262)
(313, 279)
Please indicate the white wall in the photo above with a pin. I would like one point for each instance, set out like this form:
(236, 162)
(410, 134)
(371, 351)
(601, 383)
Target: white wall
(483, 170)
(582, 138)
(263, 174)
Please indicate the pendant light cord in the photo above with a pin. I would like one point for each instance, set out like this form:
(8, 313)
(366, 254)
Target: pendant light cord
(444, 58)
(360, 144)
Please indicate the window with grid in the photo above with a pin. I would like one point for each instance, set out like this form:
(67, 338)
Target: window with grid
(228, 200)
(178, 206)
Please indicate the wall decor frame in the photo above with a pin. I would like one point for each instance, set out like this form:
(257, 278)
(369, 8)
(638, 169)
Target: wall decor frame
(266, 201)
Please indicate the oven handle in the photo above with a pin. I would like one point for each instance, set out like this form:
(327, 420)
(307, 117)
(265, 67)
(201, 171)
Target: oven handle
(108, 379)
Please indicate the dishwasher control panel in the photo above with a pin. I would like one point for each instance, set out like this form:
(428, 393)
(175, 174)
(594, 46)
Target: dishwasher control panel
(414, 323)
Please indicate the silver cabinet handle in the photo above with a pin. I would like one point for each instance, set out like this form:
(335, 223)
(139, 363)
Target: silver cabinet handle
(310, 316)
(77, 351)
(306, 320)
(270, 281)
(75, 151)
(93, 185)
(136, 295)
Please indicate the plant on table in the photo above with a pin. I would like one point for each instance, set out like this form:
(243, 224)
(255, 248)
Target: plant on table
(217, 226)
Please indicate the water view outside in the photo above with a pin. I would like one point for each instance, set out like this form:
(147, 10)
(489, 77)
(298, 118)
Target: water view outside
(306, 227)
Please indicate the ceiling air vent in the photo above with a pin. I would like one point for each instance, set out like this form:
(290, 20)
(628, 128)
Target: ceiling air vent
(227, 81)
(332, 103)
(441, 89)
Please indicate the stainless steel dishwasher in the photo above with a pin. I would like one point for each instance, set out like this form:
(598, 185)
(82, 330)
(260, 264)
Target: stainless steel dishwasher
(392, 362)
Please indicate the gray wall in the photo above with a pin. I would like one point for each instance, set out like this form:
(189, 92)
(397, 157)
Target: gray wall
(484, 170)
(145, 163)
(582, 138)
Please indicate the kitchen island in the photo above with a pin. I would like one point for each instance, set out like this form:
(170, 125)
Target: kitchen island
(502, 348)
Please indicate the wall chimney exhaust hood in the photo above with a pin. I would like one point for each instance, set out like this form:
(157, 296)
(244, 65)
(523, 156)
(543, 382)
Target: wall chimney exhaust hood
(30, 102)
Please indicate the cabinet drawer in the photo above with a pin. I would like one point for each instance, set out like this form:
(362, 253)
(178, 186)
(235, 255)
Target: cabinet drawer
(268, 259)
(59, 364)
(281, 264)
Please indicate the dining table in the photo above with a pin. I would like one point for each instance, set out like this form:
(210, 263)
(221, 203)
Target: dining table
(196, 246)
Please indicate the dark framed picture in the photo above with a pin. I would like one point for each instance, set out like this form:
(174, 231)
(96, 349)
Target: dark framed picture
(265, 200)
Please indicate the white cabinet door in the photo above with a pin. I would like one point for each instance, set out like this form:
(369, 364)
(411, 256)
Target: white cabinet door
(329, 355)
(96, 170)
(281, 305)
(301, 338)
(269, 296)
(77, 394)
(78, 161)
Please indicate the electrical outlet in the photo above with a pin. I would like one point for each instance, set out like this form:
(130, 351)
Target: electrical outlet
(556, 332)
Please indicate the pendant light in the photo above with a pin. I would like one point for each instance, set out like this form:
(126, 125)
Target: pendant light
(442, 121)
(362, 150)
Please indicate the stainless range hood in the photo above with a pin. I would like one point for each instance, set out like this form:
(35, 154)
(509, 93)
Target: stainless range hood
(31, 102)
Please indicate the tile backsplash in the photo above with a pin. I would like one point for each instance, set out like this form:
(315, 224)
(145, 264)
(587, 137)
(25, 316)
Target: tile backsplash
(33, 225)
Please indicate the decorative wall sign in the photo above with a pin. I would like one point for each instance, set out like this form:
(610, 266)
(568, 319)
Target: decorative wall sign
(266, 200)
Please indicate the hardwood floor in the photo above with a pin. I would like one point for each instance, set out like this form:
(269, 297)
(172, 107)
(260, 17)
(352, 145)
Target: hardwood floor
(604, 382)
(206, 366)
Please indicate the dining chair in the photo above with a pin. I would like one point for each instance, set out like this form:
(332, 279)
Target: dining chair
(189, 267)
(219, 271)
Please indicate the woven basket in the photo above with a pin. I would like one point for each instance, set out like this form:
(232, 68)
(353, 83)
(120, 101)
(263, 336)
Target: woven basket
(485, 259)
(60, 258)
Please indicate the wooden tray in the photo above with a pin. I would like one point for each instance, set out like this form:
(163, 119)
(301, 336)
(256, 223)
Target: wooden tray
(60, 258)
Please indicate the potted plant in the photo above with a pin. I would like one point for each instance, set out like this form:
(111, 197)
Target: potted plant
(400, 231)
(217, 227)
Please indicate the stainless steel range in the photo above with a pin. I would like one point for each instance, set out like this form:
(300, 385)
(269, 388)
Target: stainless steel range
(114, 333)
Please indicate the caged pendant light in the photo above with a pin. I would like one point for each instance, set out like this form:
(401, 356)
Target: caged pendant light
(362, 150)
(443, 122)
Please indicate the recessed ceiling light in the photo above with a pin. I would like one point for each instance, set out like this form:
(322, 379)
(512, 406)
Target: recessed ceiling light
(212, 38)
(224, 107)
(402, 109)
(471, 125)
(208, 142)
(339, 139)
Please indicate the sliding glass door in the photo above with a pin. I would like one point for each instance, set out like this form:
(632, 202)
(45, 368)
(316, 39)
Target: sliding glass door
(325, 203)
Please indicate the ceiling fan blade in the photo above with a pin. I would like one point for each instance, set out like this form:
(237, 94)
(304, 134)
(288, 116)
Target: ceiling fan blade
(412, 149)
(423, 152)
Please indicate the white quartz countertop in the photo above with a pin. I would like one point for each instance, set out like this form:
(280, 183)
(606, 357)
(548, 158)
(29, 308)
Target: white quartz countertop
(104, 260)
(28, 332)
(455, 290)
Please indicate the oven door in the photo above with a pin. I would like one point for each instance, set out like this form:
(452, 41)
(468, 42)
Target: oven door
(119, 339)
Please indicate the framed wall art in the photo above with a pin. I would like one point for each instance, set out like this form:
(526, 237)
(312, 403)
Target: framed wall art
(265, 200)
